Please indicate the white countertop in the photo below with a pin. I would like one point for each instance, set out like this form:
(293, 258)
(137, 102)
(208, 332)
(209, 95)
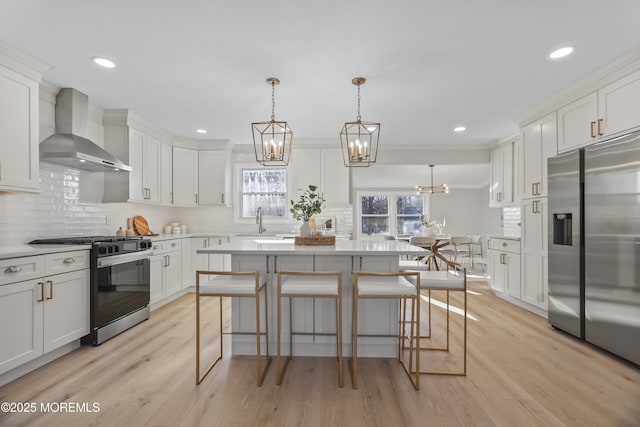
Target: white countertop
(16, 251)
(270, 246)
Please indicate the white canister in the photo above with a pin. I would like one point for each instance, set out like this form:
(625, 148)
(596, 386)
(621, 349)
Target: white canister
(176, 230)
(183, 228)
(167, 229)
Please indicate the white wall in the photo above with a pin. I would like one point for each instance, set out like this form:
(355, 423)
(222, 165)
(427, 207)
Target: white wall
(466, 212)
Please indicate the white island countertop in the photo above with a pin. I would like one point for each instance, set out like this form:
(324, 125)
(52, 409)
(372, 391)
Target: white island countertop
(288, 247)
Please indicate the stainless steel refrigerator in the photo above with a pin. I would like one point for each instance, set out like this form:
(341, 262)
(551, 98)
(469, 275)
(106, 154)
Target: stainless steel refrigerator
(594, 244)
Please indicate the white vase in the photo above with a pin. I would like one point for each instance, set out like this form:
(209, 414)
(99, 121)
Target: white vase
(305, 229)
(428, 232)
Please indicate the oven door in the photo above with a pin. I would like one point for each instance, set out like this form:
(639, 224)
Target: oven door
(122, 285)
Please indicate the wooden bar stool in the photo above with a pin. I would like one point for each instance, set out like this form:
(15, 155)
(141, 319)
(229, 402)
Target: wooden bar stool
(309, 284)
(241, 284)
(454, 278)
(393, 285)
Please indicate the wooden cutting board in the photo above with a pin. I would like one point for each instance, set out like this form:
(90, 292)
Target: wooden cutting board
(141, 226)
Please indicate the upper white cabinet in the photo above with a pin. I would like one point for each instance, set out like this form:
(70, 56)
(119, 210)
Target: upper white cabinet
(144, 153)
(185, 176)
(610, 110)
(213, 178)
(166, 166)
(19, 159)
(335, 180)
(144, 158)
(539, 142)
(501, 180)
(324, 168)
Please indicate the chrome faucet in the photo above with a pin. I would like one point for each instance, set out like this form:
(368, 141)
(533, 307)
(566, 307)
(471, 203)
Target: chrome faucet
(261, 229)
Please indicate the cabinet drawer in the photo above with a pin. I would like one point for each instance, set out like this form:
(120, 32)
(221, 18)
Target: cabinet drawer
(165, 246)
(505, 245)
(62, 262)
(19, 269)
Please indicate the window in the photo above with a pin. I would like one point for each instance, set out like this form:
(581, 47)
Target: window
(392, 213)
(266, 189)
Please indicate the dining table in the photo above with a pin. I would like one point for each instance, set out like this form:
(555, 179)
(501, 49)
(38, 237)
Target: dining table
(442, 240)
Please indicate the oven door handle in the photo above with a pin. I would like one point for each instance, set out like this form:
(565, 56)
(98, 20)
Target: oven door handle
(124, 258)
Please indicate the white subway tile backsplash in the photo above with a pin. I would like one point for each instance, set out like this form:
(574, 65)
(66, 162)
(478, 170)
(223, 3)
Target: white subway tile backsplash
(511, 221)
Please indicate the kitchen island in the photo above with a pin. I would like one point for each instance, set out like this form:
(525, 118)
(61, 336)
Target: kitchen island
(269, 256)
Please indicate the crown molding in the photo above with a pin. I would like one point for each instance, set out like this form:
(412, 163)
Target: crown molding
(604, 76)
(124, 117)
(22, 63)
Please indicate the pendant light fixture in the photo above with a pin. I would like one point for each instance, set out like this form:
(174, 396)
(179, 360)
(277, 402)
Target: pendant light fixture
(272, 140)
(359, 140)
(421, 189)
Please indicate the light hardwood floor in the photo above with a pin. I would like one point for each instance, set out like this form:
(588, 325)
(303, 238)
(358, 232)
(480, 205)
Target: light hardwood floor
(520, 373)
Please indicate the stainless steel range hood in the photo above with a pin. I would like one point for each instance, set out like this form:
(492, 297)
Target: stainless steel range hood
(69, 146)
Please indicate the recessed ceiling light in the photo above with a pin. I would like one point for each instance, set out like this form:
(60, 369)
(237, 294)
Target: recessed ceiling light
(459, 129)
(201, 130)
(561, 53)
(103, 62)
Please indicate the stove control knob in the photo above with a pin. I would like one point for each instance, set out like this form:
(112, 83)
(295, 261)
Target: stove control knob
(102, 250)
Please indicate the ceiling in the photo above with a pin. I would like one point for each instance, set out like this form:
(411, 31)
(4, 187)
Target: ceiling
(430, 65)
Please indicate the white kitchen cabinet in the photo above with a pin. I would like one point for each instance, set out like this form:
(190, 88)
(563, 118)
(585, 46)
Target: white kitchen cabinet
(140, 150)
(166, 167)
(144, 158)
(504, 266)
(19, 128)
(212, 262)
(324, 168)
(185, 176)
(186, 262)
(501, 180)
(535, 252)
(539, 142)
(212, 178)
(21, 317)
(611, 110)
(44, 313)
(165, 269)
(66, 308)
(335, 179)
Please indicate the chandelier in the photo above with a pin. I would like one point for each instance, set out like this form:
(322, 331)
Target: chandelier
(431, 189)
(359, 140)
(272, 140)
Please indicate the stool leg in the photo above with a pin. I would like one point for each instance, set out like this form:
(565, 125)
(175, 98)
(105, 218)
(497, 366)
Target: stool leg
(278, 365)
(354, 357)
(339, 332)
(258, 352)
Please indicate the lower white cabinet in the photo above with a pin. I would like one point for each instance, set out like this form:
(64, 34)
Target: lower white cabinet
(213, 262)
(44, 313)
(504, 266)
(166, 269)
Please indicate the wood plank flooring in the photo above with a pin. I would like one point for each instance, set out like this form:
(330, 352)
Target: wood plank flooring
(521, 372)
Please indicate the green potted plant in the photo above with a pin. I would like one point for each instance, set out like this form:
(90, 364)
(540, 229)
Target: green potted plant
(309, 203)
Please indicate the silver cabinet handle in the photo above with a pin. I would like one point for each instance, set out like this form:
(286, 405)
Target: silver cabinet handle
(69, 260)
(174, 244)
(13, 269)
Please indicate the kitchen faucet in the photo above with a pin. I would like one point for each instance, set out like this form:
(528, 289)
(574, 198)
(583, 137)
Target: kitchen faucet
(261, 229)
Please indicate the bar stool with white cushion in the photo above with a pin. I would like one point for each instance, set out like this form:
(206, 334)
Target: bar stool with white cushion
(309, 284)
(241, 284)
(388, 285)
(452, 279)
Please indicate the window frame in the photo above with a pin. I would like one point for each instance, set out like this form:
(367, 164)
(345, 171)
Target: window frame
(392, 213)
(238, 169)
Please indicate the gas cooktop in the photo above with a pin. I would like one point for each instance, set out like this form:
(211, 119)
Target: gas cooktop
(83, 240)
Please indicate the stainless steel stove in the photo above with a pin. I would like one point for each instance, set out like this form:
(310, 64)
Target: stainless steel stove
(120, 282)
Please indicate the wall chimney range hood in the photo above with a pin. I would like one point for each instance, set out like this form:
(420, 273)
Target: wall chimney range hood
(69, 146)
